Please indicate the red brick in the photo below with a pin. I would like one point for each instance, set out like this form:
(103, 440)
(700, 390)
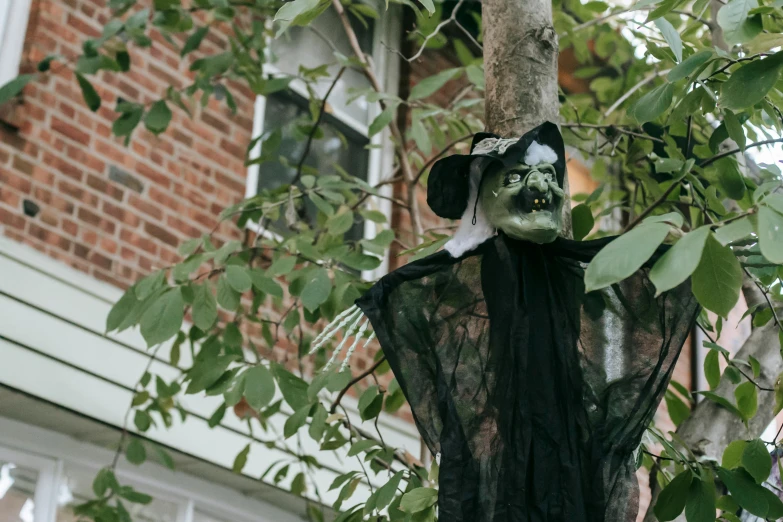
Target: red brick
(91, 218)
(161, 234)
(70, 131)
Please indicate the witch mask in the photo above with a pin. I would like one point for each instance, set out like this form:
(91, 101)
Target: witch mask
(511, 185)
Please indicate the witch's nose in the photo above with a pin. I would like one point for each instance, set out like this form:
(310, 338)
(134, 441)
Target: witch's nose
(536, 180)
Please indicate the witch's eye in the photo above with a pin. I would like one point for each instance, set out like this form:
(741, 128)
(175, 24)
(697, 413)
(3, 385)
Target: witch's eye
(514, 178)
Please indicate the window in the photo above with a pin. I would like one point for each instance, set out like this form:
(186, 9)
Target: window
(13, 25)
(345, 142)
(25, 484)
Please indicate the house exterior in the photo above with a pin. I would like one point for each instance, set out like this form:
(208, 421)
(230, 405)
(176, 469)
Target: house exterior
(82, 216)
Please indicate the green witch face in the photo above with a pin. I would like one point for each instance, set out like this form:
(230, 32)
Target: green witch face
(524, 200)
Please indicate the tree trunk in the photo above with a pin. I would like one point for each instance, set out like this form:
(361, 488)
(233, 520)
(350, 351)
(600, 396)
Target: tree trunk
(520, 67)
(711, 428)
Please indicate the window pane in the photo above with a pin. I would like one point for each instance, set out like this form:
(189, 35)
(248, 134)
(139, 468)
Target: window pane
(324, 153)
(77, 488)
(17, 491)
(305, 46)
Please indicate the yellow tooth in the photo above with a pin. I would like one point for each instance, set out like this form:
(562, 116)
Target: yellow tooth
(543, 201)
(536, 201)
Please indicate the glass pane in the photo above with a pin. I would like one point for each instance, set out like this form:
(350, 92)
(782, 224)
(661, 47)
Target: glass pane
(77, 488)
(308, 46)
(17, 491)
(324, 153)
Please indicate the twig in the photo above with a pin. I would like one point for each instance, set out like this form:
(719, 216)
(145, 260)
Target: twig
(317, 124)
(438, 155)
(433, 34)
(611, 127)
(646, 212)
(356, 379)
(722, 155)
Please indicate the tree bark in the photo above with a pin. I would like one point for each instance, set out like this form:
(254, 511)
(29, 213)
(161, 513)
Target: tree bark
(520, 67)
(711, 428)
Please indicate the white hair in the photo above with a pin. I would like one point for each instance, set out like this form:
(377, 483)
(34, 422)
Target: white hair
(468, 236)
(538, 153)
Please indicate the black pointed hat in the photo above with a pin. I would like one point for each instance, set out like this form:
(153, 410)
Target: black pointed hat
(448, 187)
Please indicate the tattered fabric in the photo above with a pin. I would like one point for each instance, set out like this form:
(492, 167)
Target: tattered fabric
(534, 393)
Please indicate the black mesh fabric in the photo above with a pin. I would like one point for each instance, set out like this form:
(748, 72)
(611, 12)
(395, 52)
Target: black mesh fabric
(535, 394)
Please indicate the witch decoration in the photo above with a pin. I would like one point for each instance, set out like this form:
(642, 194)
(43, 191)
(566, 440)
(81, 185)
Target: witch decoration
(534, 393)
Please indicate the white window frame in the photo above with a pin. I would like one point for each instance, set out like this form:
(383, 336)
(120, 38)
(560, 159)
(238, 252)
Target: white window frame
(381, 154)
(52, 454)
(14, 15)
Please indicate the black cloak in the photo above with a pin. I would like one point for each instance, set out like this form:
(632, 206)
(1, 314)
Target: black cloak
(535, 394)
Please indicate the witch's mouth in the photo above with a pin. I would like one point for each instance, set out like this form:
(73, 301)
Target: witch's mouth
(531, 200)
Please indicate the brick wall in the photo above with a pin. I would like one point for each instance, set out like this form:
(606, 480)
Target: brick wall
(113, 211)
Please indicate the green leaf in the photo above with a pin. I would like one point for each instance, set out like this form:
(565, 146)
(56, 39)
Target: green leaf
(227, 297)
(387, 492)
(690, 65)
(91, 97)
(217, 416)
(750, 83)
(204, 309)
(206, 372)
(259, 387)
(770, 231)
(194, 40)
(238, 278)
(121, 309)
(293, 388)
(624, 256)
(747, 400)
(281, 266)
(360, 446)
(779, 387)
(341, 223)
(732, 455)
(135, 452)
(299, 12)
(700, 506)
(717, 280)
(756, 460)
(382, 120)
(430, 85)
(14, 87)
(652, 104)
(241, 459)
(734, 128)
(671, 36)
(672, 498)
(127, 121)
(131, 495)
(158, 117)
(418, 499)
(296, 421)
(163, 318)
(104, 481)
(712, 369)
(680, 261)
(317, 288)
(745, 491)
(722, 401)
(142, 420)
(583, 222)
(265, 284)
(737, 26)
(734, 231)
(678, 410)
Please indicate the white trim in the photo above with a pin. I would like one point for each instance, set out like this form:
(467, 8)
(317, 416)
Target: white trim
(52, 453)
(13, 27)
